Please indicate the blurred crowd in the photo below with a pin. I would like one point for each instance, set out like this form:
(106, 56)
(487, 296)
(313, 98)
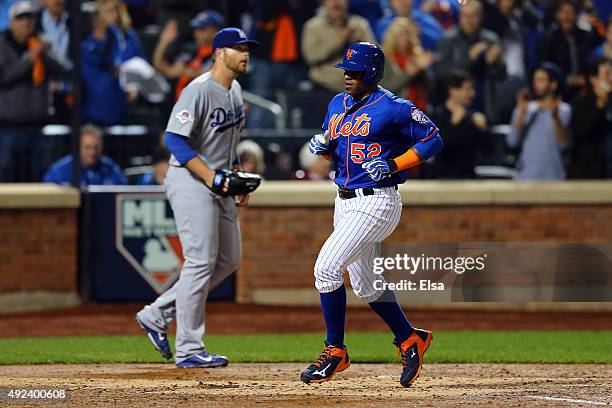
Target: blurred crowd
(542, 67)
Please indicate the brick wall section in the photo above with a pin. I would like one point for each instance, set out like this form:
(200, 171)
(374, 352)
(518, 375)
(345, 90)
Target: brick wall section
(38, 249)
(280, 245)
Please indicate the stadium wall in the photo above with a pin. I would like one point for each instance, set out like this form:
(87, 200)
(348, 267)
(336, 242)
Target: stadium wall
(287, 223)
(38, 246)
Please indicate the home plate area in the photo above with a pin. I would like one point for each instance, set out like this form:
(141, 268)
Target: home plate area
(367, 385)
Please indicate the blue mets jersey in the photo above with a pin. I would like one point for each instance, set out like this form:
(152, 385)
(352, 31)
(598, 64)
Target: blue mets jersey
(380, 125)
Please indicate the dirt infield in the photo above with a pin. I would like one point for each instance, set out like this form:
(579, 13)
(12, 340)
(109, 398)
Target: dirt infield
(230, 318)
(367, 385)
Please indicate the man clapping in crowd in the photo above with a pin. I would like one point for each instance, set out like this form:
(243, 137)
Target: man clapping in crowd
(464, 130)
(540, 128)
(26, 68)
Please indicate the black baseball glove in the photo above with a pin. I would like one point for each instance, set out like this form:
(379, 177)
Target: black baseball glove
(239, 183)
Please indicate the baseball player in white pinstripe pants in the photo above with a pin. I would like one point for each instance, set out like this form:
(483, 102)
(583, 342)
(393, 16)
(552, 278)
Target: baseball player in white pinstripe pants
(372, 137)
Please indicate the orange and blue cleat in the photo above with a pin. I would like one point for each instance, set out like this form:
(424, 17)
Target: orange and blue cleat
(332, 361)
(411, 351)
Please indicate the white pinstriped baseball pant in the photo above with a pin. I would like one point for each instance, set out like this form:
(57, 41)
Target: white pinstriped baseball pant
(360, 225)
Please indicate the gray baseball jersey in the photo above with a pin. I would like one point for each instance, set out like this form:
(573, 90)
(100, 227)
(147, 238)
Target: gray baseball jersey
(212, 118)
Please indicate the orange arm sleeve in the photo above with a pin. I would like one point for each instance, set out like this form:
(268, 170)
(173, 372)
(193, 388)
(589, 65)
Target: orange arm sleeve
(409, 159)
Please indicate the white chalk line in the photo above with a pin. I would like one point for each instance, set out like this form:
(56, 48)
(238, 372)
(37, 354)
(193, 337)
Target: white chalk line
(576, 401)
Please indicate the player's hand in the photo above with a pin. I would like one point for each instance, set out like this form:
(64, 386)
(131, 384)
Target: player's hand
(242, 200)
(209, 179)
(319, 144)
(377, 168)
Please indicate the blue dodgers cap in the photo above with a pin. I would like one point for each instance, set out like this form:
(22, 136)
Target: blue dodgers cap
(228, 37)
(208, 18)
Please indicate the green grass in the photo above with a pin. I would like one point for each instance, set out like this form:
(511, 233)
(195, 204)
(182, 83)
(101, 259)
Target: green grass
(447, 347)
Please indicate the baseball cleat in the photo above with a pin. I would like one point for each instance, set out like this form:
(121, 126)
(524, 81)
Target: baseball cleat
(157, 338)
(411, 351)
(332, 361)
(204, 359)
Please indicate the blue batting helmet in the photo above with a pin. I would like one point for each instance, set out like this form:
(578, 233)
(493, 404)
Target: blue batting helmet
(366, 57)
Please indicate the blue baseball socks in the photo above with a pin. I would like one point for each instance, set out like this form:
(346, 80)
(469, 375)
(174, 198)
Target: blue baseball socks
(391, 312)
(333, 305)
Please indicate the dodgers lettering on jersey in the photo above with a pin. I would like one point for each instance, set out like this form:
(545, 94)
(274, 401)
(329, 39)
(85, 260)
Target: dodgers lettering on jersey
(381, 125)
(211, 118)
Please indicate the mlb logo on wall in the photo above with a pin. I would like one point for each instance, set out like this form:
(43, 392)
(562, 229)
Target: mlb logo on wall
(146, 236)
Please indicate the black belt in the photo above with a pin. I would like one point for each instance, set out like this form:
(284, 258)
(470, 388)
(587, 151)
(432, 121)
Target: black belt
(345, 193)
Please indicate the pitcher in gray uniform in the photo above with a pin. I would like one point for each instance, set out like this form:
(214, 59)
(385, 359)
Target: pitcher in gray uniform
(202, 133)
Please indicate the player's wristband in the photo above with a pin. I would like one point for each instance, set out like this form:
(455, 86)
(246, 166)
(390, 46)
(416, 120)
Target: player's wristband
(409, 159)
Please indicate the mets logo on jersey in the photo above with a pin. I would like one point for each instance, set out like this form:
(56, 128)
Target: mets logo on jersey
(359, 127)
(418, 116)
(146, 236)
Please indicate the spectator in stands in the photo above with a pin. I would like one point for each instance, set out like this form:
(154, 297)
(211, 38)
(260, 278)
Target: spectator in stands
(312, 167)
(184, 61)
(474, 49)
(127, 43)
(5, 6)
(137, 75)
(464, 130)
(104, 100)
(567, 45)
(26, 68)
(275, 63)
(592, 124)
(160, 168)
(251, 157)
(504, 20)
(324, 39)
(96, 169)
(54, 27)
(407, 64)
(430, 30)
(540, 128)
(605, 49)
